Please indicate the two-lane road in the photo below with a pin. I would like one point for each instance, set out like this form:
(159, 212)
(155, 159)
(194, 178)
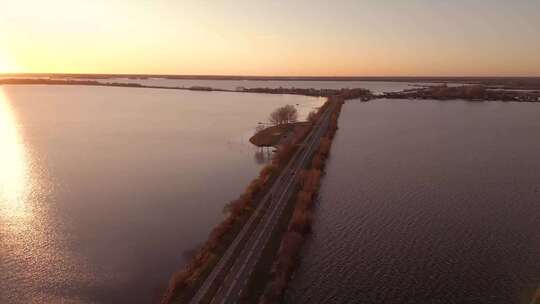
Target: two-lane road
(240, 259)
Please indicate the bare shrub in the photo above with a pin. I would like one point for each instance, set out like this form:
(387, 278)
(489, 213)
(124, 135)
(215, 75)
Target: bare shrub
(324, 146)
(313, 117)
(267, 171)
(283, 154)
(311, 182)
(304, 200)
(284, 115)
(301, 221)
(288, 250)
(284, 266)
(255, 186)
(178, 281)
(317, 162)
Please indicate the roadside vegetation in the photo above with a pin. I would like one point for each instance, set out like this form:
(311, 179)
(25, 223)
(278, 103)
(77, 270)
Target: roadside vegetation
(184, 283)
(288, 255)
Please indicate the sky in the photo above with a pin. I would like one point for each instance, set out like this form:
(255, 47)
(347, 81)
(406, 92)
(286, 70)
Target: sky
(272, 38)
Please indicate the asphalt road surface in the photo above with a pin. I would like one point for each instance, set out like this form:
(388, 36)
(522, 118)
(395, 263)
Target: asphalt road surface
(240, 259)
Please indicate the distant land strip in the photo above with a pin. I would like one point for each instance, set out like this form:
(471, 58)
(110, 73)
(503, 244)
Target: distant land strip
(41, 81)
(524, 82)
(469, 92)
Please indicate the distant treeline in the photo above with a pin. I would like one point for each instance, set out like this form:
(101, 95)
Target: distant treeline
(347, 93)
(30, 81)
(468, 92)
(45, 81)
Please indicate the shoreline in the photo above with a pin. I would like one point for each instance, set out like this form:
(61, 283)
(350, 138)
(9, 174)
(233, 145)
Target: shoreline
(473, 93)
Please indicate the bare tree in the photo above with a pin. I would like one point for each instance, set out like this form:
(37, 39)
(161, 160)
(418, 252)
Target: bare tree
(290, 114)
(284, 115)
(275, 118)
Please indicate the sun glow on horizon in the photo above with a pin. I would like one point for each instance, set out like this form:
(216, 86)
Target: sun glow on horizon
(271, 38)
(7, 64)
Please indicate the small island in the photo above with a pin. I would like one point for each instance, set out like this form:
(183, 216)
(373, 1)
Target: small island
(284, 127)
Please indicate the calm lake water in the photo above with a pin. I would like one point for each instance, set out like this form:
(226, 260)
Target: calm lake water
(427, 202)
(104, 191)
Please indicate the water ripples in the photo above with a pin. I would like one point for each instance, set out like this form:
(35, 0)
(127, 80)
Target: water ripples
(421, 205)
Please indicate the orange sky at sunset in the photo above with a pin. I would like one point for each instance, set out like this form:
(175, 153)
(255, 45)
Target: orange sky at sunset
(302, 38)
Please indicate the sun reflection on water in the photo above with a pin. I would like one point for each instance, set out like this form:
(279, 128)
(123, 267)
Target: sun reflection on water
(14, 169)
(30, 252)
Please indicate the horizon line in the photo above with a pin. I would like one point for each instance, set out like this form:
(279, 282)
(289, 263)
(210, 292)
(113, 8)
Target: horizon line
(266, 77)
